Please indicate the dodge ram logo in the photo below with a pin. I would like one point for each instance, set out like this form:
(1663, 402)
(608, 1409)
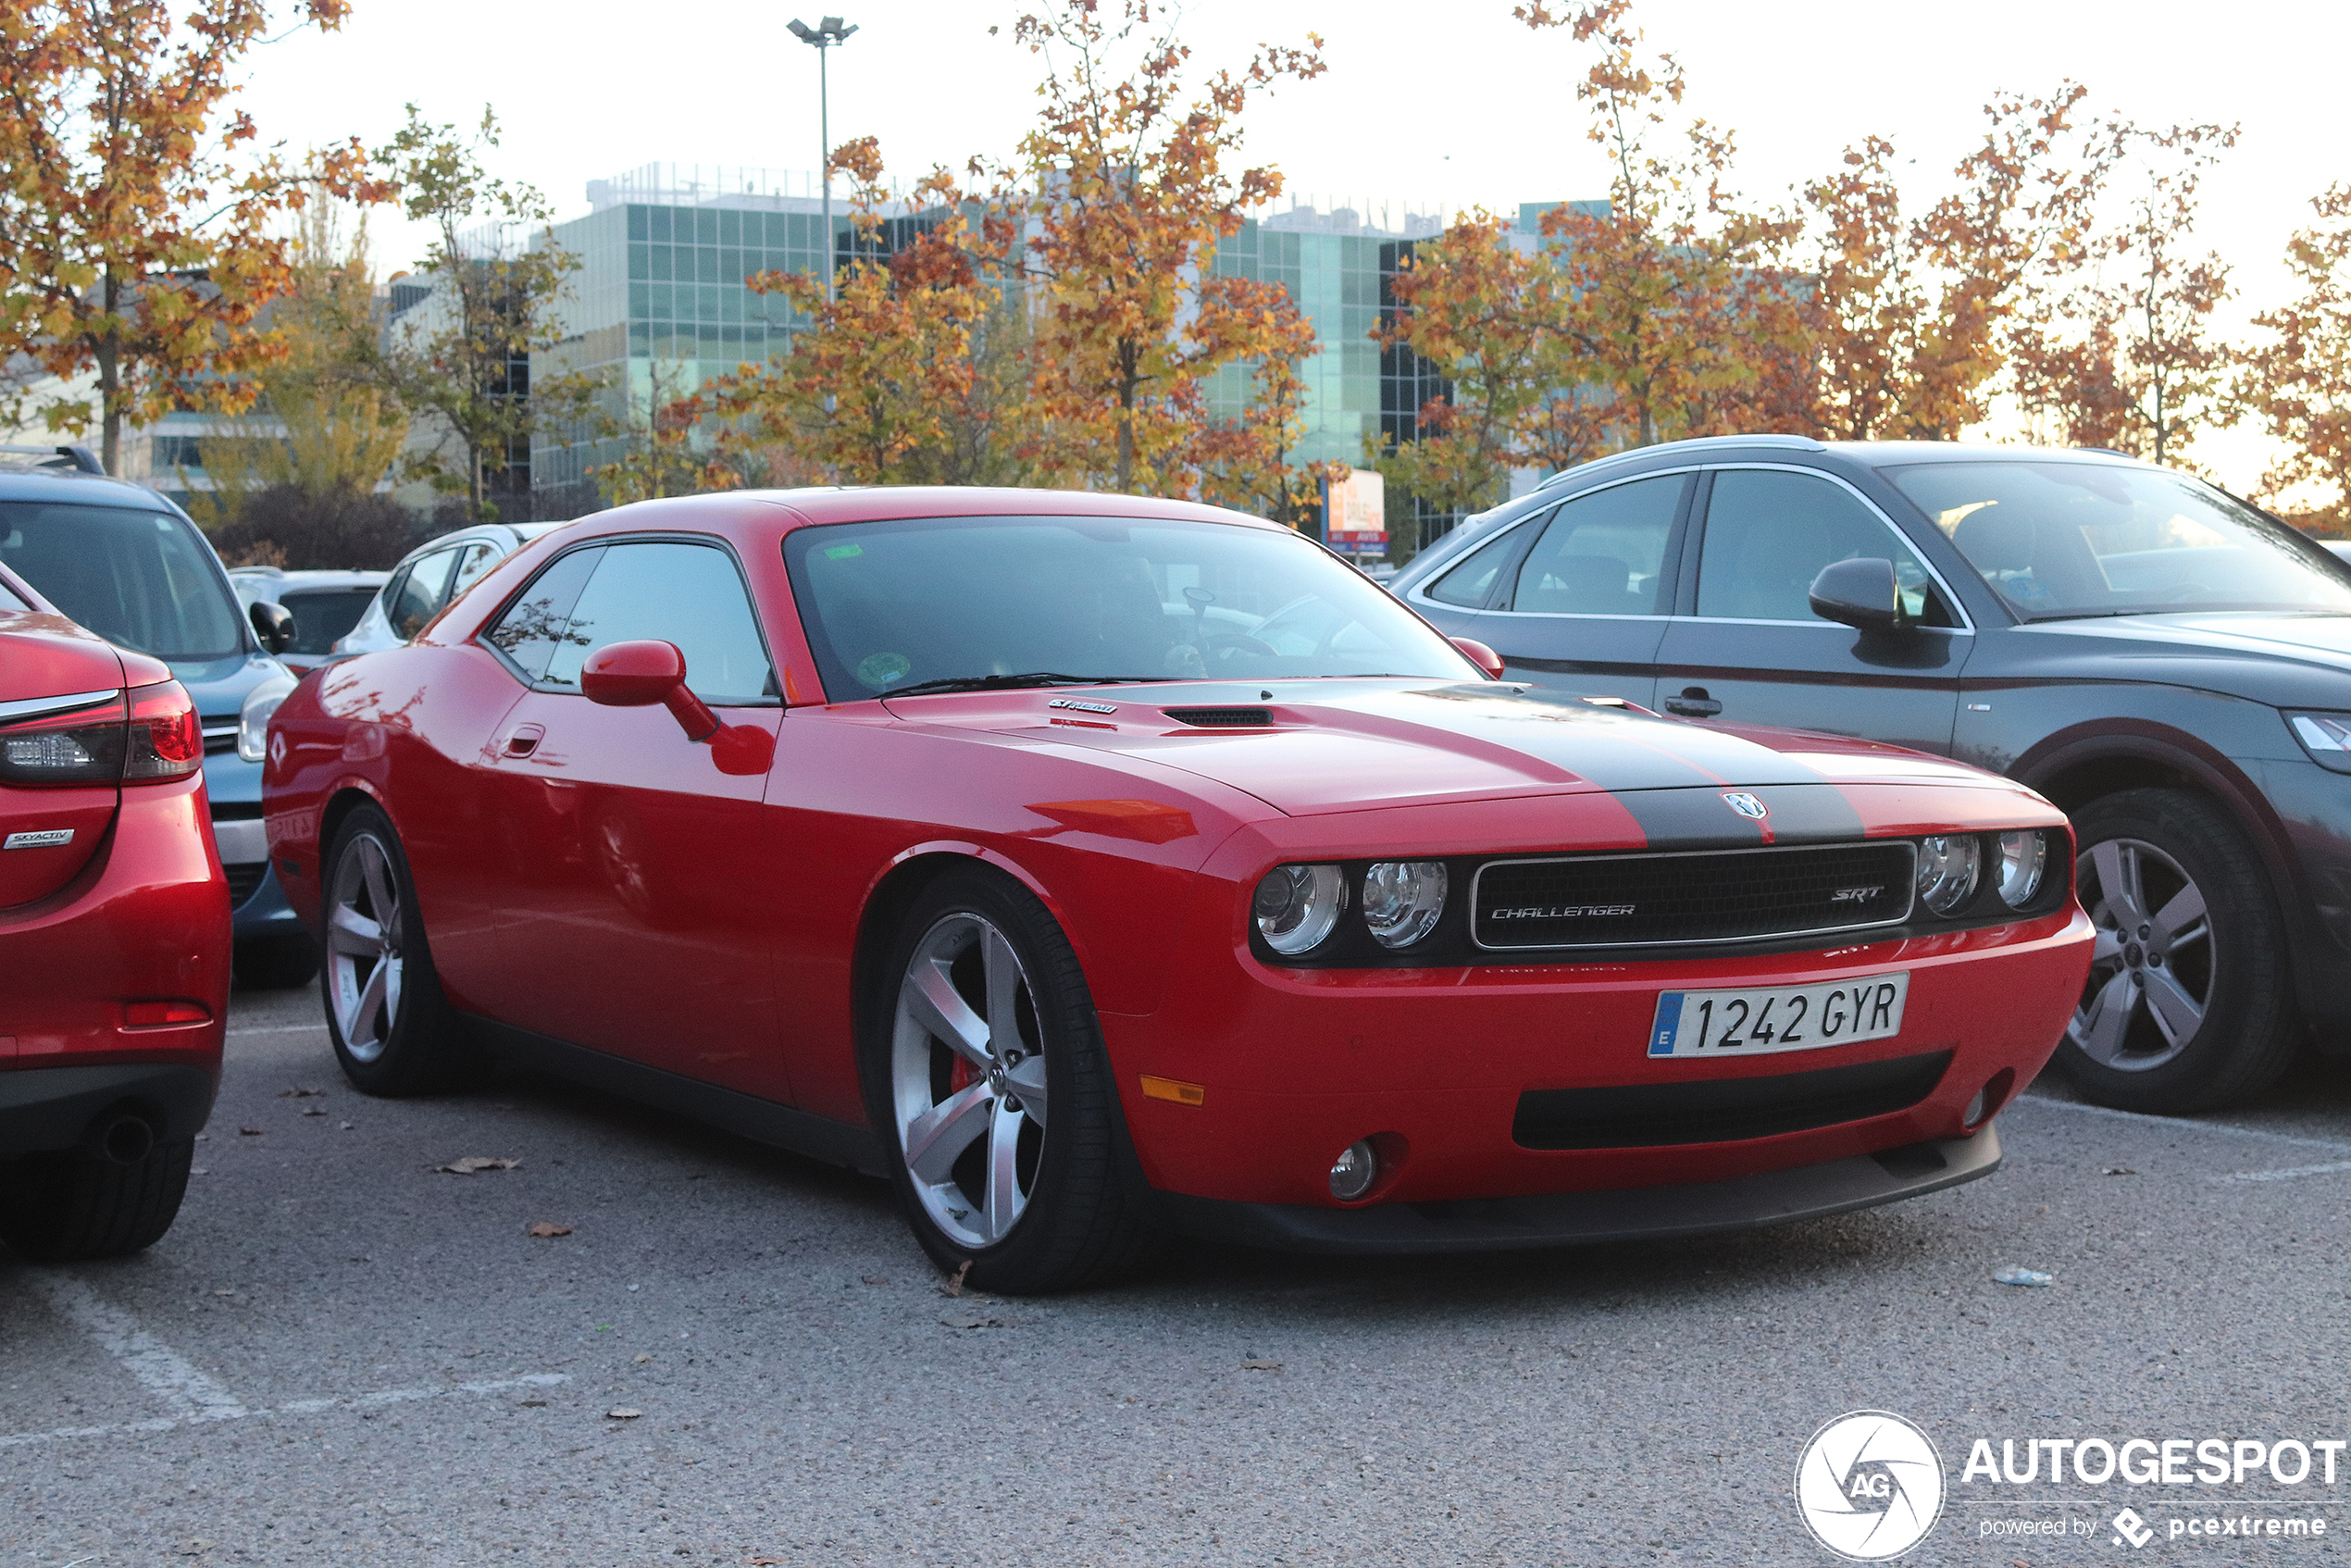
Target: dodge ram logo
(1745, 804)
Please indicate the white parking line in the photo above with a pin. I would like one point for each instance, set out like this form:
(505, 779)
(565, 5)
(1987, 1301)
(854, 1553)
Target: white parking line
(162, 1371)
(2330, 1168)
(2181, 1124)
(299, 1407)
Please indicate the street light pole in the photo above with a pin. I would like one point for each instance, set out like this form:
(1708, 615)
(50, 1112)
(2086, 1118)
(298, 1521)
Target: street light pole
(822, 38)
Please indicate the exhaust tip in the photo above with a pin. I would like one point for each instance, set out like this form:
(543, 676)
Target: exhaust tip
(126, 1140)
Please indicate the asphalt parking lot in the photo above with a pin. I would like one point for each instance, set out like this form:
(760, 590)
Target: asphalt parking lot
(343, 1355)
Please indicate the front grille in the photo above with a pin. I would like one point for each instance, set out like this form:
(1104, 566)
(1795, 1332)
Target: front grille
(243, 880)
(1717, 896)
(1722, 1110)
(219, 732)
(1231, 717)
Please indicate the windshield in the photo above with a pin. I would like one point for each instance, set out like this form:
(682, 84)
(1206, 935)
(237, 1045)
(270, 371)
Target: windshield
(2064, 540)
(899, 603)
(145, 581)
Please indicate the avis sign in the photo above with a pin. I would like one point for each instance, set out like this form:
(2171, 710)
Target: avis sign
(1355, 513)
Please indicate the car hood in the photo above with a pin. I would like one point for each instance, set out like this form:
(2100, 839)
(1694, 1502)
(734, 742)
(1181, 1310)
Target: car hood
(1332, 746)
(2284, 660)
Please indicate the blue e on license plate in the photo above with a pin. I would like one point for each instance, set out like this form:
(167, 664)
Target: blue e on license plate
(1753, 1023)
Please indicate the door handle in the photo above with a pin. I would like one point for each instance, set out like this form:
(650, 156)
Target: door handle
(1693, 704)
(523, 739)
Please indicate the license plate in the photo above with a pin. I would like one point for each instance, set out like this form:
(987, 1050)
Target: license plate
(1754, 1022)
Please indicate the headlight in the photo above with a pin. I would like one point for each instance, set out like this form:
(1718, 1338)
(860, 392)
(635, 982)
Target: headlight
(253, 719)
(1402, 900)
(1948, 865)
(2326, 737)
(1296, 905)
(2022, 858)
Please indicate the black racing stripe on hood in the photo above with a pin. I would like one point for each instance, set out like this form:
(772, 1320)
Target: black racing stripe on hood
(1701, 819)
(1615, 750)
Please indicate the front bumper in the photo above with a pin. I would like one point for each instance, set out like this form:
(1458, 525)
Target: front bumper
(47, 1109)
(1485, 1224)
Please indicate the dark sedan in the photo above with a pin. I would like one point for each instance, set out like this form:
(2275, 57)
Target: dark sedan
(2169, 665)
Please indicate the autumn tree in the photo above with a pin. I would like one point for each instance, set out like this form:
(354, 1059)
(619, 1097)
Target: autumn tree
(1245, 462)
(319, 420)
(2126, 357)
(1661, 287)
(872, 383)
(1911, 316)
(1116, 201)
(1490, 315)
(2298, 381)
(464, 354)
(139, 211)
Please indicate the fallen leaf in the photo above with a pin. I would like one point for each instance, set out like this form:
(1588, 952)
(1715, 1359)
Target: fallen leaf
(1261, 1366)
(346, 1127)
(642, 1360)
(622, 1413)
(473, 1162)
(973, 1322)
(314, 1111)
(548, 1227)
(875, 1279)
(954, 1286)
(763, 1562)
(2121, 1170)
(531, 1404)
(248, 1132)
(298, 1093)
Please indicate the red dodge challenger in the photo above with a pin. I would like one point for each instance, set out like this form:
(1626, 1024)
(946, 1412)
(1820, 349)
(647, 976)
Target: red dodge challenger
(1094, 866)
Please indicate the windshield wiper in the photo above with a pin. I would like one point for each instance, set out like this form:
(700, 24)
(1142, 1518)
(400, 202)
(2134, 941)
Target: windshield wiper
(1008, 682)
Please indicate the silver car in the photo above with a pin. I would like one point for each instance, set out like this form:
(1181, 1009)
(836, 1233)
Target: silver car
(324, 605)
(427, 578)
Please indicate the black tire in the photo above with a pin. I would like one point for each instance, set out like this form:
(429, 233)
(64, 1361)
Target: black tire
(2167, 1058)
(420, 1048)
(1080, 1224)
(276, 963)
(65, 1208)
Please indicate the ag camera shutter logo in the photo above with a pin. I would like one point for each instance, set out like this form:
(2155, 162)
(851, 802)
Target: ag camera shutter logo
(1868, 1486)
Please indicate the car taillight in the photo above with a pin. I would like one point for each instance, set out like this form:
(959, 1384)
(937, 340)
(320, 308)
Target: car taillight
(82, 747)
(166, 740)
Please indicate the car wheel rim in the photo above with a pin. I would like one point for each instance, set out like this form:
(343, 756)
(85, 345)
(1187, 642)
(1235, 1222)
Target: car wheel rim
(364, 961)
(2153, 967)
(967, 1080)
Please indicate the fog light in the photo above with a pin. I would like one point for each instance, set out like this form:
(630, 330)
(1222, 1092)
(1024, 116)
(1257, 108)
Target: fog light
(1988, 1100)
(1353, 1172)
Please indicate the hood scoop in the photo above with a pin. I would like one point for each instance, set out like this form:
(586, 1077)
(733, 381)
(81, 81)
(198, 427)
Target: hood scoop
(1222, 718)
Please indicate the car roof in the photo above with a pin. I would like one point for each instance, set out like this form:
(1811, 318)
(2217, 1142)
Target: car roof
(1870, 453)
(814, 506)
(79, 489)
(320, 578)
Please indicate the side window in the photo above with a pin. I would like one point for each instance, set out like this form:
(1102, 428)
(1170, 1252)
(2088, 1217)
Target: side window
(1768, 534)
(1472, 583)
(1604, 553)
(690, 594)
(478, 559)
(419, 594)
(539, 620)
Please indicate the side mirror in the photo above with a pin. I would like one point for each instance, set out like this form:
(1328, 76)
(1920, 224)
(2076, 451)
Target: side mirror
(1481, 655)
(638, 674)
(1860, 594)
(274, 624)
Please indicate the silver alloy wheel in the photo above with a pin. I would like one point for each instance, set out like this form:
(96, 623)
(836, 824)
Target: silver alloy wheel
(967, 1079)
(363, 948)
(2153, 967)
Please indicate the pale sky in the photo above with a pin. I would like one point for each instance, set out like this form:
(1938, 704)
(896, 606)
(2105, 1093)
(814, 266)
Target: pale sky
(1453, 104)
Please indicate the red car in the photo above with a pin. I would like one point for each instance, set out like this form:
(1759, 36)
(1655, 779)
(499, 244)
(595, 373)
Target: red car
(114, 939)
(1093, 866)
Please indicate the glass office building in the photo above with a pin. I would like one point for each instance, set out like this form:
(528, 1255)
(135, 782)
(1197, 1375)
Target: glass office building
(660, 303)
